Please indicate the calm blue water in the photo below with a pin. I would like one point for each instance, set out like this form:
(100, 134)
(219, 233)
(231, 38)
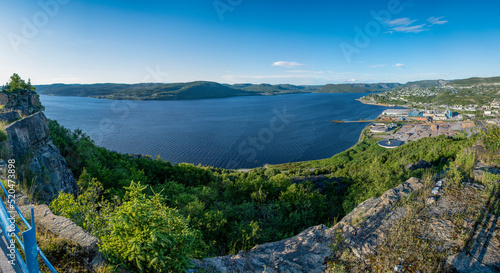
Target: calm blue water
(241, 132)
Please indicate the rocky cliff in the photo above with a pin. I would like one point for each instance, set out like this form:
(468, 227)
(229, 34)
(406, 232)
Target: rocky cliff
(29, 143)
(24, 102)
(416, 227)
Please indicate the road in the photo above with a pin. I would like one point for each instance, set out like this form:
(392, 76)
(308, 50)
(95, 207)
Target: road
(481, 125)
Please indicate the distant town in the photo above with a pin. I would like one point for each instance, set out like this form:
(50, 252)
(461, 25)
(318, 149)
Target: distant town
(450, 110)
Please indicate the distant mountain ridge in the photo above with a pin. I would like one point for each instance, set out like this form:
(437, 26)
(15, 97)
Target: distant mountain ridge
(462, 82)
(211, 90)
(199, 90)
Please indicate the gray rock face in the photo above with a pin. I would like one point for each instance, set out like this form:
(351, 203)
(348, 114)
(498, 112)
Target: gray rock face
(25, 102)
(27, 135)
(305, 252)
(54, 175)
(9, 116)
(29, 143)
(365, 227)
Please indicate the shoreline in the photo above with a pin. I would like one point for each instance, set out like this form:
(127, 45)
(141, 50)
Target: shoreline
(265, 166)
(381, 104)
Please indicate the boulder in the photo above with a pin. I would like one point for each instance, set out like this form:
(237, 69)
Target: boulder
(422, 164)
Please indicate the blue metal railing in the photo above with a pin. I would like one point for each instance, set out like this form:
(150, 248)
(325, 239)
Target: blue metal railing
(28, 244)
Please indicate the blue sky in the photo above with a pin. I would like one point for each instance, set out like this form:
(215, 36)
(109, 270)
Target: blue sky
(234, 41)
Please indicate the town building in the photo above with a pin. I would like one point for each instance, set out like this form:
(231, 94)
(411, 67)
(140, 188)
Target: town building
(396, 112)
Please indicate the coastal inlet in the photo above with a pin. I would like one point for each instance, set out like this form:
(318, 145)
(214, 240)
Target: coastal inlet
(219, 132)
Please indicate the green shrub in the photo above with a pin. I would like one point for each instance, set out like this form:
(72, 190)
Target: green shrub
(146, 236)
(491, 142)
(86, 210)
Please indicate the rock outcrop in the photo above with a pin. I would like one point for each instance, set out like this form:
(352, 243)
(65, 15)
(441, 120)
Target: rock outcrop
(30, 144)
(9, 116)
(422, 164)
(25, 102)
(365, 231)
(61, 227)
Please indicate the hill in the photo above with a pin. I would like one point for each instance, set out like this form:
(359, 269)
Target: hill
(424, 84)
(476, 81)
(356, 88)
(199, 90)
(145, 91)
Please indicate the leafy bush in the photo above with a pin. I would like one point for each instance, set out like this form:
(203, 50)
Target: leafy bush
(146, 236)
(491, 142)
(86, 210)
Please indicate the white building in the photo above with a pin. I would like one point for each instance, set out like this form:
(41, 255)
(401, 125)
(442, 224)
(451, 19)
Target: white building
(396, 112)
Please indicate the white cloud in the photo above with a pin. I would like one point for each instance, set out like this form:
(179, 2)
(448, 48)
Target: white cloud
(401, 22)
(410, 29)
(405, 25)
(437, 20)
(287, 64)
(351, 80)
(399, 65)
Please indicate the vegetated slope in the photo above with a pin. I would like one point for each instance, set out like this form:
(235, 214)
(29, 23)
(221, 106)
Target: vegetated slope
(145, 91)
(424, 84)
(276, 89)
(475, 81)
(356, 88)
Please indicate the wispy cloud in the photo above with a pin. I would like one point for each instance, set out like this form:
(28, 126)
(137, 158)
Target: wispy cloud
(287, 64)
(410, 29)
(437, 20)
(401, 22)
(399, 65)
(406, 25)
(352, 80)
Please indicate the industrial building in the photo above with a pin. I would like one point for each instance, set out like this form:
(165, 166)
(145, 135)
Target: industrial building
(396, 112)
